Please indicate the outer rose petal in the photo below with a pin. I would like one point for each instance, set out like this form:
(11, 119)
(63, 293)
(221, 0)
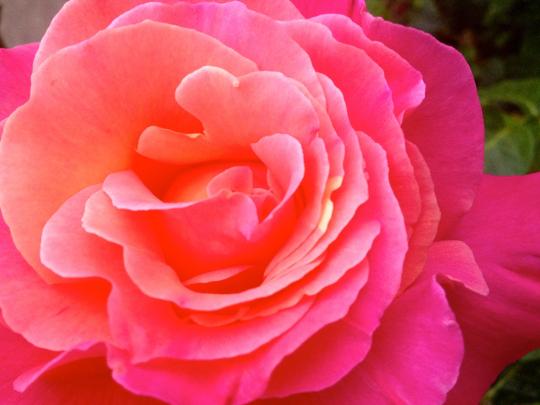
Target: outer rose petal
(54, 317)
(85, 381)
(414, 359)
(503, 231)
(16, 356)
(454, 260)
(80, 19)
(15, 70)
(242, 379)
(448, 126)
(253, 35)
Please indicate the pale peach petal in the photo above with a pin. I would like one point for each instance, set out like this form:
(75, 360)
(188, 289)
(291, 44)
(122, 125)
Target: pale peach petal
(75, 92)
(254, 36)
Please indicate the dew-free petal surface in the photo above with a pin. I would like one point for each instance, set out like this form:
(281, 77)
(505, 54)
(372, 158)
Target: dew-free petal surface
(55, 317)
(503, 231)
(415, 356)
(81, 19)
(15, 71)
(75, 92)
(448, 126)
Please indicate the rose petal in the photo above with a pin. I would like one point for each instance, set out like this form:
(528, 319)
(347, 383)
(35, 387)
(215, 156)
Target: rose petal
(261, 39)
(81, 19)
(415, 357)
(238, 380)
(369, 103)
(55, 317)
(86, 381)
(84, 351)
(503, 231)
(310, 8)
(408, 88)
(425, 229)
(448, 126)
(354, 332)
(16, 356)
(75, 92)
(454, 260)
(15, 70)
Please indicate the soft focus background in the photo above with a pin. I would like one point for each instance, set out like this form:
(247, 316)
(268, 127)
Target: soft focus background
(501, 40)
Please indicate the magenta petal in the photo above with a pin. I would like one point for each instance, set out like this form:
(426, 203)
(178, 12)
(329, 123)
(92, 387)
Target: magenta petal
(503, 231)
(16, 356)
(83, 351)
(408, 88)
(414, 359)
(454, 260)
(15, 70)
(56, 317)
(311, 8)
(448, 126)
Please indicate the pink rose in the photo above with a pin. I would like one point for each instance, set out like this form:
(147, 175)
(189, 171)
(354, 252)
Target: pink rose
(224, 202)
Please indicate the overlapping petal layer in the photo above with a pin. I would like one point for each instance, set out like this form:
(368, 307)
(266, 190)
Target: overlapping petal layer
(224, 192)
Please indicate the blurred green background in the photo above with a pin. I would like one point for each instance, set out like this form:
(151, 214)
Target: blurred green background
(500, 39)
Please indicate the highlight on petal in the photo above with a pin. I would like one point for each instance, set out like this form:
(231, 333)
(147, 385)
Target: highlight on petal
(503, 231)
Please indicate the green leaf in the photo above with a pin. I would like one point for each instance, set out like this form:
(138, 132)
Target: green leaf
(512, 117)
(517, 384)
(511, 150)
(377, 7)
(524, 93)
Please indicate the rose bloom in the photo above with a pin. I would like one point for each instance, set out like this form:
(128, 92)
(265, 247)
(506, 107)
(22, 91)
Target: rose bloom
(254, 201)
